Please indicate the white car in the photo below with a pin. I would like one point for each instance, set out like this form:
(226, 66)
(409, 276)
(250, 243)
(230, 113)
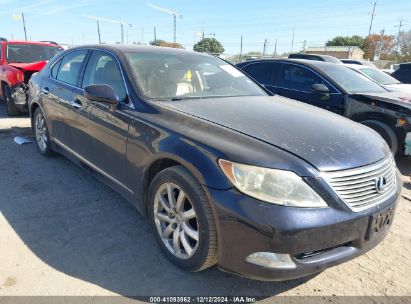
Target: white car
(387, 81)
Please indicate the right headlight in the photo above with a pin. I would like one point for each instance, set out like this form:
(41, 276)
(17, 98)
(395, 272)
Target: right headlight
(273, 186)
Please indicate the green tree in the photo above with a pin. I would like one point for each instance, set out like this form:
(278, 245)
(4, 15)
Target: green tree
(379, 45)
(209, 45)
(354, 40)
(254, 53)
(163, 43)
(157, 42)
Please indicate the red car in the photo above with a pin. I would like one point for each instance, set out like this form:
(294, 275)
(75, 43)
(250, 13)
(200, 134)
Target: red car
(18, 61)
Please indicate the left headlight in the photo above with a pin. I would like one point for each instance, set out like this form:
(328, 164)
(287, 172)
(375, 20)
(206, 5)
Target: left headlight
(273, 186)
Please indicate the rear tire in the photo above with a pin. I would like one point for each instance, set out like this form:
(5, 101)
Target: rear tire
(11, 108)
(386, 133)
(41, 132)
(186, 223)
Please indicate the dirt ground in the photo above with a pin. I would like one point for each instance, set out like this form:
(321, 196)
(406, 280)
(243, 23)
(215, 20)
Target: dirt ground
(62, 232)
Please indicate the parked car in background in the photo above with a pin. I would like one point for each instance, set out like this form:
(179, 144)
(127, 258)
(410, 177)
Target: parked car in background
(315, 57)
(18, 61)
(341, 90)
(265, 187)
(403, 73)
(385, 80)
(358, 62)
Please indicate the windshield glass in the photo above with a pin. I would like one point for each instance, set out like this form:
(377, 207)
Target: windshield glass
(352, 82)
(27, 53)
(168, 76)
(379, 76)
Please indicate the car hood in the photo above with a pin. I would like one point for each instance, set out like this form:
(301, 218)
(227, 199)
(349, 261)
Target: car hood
(398, 98)
(327, 141)
(29, 67)
(399, 87)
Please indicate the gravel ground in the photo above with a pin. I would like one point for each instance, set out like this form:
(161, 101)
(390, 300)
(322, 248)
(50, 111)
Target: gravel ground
(62, 232)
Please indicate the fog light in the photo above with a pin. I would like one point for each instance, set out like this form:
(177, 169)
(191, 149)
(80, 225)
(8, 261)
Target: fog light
(271, 260)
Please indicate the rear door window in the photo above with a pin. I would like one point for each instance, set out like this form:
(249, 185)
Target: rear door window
(55, 69)
(70, 67)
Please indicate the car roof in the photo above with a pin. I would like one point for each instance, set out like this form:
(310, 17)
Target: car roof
(29, 42)
(121, 49)
(309, 55)
(312, 63)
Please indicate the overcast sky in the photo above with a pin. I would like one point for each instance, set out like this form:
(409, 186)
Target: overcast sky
(257, 20)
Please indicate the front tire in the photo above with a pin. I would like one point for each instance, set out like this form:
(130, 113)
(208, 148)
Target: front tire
(11, 108)
(41, 133)
(385, 132)
(182, 219)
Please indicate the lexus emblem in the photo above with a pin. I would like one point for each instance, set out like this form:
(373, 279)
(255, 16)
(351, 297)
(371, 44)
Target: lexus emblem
(381, 184)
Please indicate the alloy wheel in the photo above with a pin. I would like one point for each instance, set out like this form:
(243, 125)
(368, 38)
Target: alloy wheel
(41, 132)
(176, 221)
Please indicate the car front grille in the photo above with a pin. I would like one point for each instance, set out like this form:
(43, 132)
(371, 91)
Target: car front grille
(364, 187)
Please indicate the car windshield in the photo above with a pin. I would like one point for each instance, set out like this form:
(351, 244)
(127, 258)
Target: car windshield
(27, 53)
(170, 76)
(352, 82)
(380, 77)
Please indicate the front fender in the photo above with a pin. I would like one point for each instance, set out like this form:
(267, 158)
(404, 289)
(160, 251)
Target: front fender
(199, 159)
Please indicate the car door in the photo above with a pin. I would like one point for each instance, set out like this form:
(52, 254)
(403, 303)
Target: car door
(57, 96)
(102, 137)
(296, 82)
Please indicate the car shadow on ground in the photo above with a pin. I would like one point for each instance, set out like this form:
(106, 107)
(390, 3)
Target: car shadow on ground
(80, 227)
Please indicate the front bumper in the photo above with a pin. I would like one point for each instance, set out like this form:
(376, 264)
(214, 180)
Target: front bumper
(314, 238)
(19, 95)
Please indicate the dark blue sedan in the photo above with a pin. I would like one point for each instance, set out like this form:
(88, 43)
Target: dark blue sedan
(262, 186)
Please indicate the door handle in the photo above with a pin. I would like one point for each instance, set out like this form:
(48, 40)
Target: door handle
(76, 104)
(45, 90)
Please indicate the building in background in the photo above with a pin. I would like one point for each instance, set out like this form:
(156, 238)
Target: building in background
(341, 52)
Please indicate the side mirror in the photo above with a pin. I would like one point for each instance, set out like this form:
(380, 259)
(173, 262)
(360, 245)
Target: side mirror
(102, 93)
(321, 89)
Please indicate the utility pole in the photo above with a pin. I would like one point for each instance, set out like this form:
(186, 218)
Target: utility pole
(175, 14)
(304, 46)
(265, 47)
(98, 32)
(122, 33)
(399, 34)
(275, 48)
(24, 26)
(142, 35)
(122, 23)
(292, 42)
(380, 46)
(372, 17)
(155, 34)
(175, 29)
(241, 47)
